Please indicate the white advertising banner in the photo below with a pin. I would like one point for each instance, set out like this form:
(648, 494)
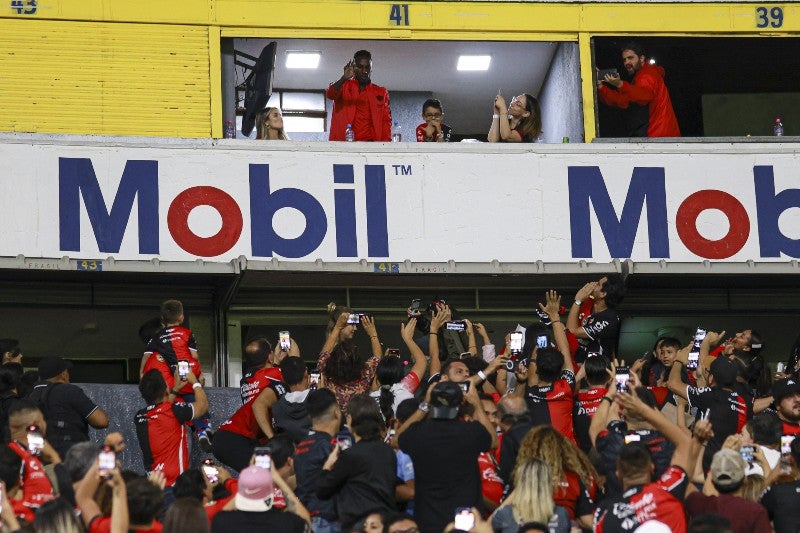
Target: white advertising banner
(135, 199)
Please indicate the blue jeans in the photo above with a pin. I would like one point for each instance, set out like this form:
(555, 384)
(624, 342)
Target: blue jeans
(320, 525)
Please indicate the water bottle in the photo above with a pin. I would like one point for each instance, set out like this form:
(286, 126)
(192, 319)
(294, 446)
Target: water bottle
(397, 133)
(230, 131)
(778, 127)
(349, 136)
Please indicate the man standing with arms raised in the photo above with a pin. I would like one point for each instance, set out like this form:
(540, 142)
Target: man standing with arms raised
(359, 103)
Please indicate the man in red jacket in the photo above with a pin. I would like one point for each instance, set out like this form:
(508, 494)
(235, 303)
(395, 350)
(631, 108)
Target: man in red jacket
(647, 88)
(359, 102)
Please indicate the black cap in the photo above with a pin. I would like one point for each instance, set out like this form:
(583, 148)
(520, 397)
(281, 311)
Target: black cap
(725, 371)
(446, 398)
(52, 365)
(785, 387)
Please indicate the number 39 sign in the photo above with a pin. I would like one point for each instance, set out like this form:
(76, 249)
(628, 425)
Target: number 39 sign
(769, 17)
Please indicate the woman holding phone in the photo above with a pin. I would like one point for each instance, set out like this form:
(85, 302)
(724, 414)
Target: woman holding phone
(520, 122)
(339, 361)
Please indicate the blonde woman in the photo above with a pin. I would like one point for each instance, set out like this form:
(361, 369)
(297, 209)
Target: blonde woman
(531, 501)
(269, 125)
(573, 478)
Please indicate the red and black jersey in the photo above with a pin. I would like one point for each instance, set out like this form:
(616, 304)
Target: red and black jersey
(789, 428)
(174, 343)
(243, 422)
(574, 496)
(660, 500)
(36, 486)
(586, 404)
(553, 404)
(156, 361)
(163, 439)
(602, 329)
(728, 411)
(611, 440)
(590, 399)
(253, 381)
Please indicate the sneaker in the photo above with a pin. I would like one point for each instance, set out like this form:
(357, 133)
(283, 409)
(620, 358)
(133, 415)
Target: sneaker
(205, 437)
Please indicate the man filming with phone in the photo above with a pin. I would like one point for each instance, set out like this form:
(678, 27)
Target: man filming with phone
(445, 453)
(645, 99)
(723, 404)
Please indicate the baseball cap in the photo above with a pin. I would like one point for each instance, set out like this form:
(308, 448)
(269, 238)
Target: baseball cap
(785, 387)
(255, 490)
(446, 398)
(727, 468)
(725, 371)
(52, 365)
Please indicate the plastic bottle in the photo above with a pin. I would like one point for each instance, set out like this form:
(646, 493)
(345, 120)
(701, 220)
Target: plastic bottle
(778, 127)
(397, 133)
(230, 131)
(349, 136)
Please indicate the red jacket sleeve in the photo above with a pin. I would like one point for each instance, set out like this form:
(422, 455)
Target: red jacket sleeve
(386, 119)
(642, 93)
(613, 98)
(331, 93)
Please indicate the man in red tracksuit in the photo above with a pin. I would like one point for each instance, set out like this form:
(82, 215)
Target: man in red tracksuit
(646, 89)
(359, 102)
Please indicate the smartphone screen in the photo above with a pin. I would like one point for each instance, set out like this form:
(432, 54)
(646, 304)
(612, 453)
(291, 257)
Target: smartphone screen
(694, 353)
(632, 437)
(786, 444)
(622, 377)
(415, 306)
(464, 519)
(211, 472)
(264, 461)
(515, 343)
(354, 318)
(35, 440)
(747, 453)
(313, 380)
(456, 326)
(183, 369)
(106, 461)
(344, 442)
(542, 341)
(284, 340)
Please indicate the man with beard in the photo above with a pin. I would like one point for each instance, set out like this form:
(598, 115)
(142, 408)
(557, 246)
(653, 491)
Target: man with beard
(359, 103)
(646, 99)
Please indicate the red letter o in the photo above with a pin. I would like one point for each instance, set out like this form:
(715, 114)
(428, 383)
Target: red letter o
(228, 209)
(730, 244)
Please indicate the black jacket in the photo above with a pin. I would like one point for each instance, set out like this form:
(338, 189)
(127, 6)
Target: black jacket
(362, 480)
(290, 415)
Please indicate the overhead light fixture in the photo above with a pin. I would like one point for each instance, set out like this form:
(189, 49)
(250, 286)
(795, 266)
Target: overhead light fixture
(474, 62)
(297, 59)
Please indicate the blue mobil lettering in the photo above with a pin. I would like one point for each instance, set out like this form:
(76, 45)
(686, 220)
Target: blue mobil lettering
(647, 193)
(77, 180)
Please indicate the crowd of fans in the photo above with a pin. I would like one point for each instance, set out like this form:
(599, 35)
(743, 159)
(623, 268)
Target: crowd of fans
(549, 431)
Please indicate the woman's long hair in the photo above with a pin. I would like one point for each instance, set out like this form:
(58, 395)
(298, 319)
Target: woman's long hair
(186, 515)
(533, 495)
(390, 371)
(547, 444)
(56, 516)
(263, 127)
(344, 365)
(532, 125)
